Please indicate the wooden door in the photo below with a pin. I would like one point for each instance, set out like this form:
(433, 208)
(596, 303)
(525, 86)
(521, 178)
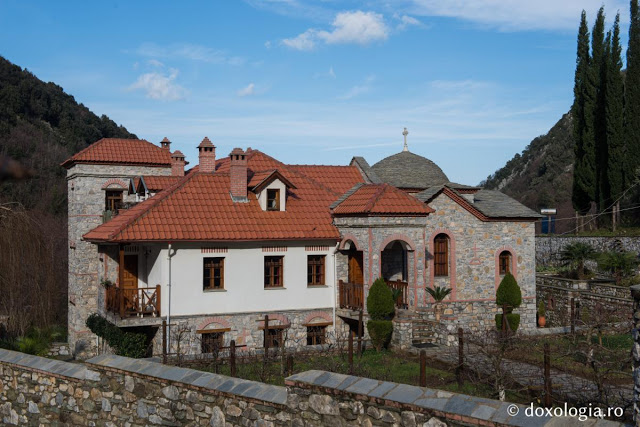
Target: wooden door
(130, 276)
(355, 268)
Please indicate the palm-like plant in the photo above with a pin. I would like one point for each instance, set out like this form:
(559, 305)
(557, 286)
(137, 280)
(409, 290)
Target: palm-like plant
(438, 293)
(620, 264)
(576, 254)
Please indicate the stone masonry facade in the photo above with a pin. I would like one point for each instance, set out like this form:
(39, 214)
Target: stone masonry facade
(115, 391)
(473, 274)
(86, 185)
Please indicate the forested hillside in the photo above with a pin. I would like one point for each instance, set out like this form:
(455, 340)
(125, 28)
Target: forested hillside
(541, 177)
(40, 126)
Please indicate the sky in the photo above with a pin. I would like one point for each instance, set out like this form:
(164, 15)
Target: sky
(315, 82)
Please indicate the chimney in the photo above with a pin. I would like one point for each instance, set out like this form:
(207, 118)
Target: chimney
(165, 143)
(238, 175)
(207, 156)
(177, 164)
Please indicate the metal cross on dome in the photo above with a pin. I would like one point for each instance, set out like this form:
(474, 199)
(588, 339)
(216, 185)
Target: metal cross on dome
(405, 133)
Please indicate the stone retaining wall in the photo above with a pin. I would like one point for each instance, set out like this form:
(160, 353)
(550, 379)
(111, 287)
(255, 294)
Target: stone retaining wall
(113, 391)
(591, 298)
(548, 249)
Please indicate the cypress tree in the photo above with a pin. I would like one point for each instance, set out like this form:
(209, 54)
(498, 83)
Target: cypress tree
(632, 99)
(595, 106)
(614, 113)
(583, 169)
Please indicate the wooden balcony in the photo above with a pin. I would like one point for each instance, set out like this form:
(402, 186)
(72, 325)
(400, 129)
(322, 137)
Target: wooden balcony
(351, 295)
(403, 298)
(136, 302)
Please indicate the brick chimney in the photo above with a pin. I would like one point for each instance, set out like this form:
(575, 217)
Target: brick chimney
(177, 163)
(165, 143)
(207, 156)
(238, 175)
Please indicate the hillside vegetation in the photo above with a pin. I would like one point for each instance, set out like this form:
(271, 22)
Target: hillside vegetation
(40, 126)
(542, 176)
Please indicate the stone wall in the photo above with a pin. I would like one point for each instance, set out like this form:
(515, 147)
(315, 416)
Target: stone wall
(548, 249)
(635, 352)
(86, 203)
(592, 299)
(113, 391)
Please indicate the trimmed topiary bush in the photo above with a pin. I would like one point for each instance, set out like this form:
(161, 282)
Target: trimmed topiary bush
(513, 320)
(380, 303)
(509, 293)
(541, 310)
(128, 344)
(380, 332)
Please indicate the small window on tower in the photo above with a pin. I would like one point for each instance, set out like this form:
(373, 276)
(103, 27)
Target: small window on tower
(273, 199)
(113, 200)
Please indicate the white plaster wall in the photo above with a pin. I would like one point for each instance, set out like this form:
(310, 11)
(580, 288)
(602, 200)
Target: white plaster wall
(243, 279)
(276, 184)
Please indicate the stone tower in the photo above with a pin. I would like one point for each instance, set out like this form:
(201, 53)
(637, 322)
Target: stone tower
(97, 184)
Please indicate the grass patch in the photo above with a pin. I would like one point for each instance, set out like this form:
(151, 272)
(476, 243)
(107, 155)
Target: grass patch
(36, 341)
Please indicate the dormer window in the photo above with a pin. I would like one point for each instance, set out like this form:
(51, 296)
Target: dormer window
(273, 199)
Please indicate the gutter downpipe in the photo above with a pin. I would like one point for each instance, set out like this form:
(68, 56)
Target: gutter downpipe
(335, 287)
(168, 343)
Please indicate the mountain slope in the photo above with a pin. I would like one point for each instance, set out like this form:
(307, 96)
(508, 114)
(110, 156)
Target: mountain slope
(40, 126)
(541, 177)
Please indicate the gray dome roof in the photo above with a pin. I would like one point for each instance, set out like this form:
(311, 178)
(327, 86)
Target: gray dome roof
(408, 170)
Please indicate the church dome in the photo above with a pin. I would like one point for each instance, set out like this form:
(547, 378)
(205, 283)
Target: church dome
(410, 171)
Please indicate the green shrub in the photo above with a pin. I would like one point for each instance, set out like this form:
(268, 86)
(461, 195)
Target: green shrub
(620, 264)
(541, 310)
(33, 345)
(128, 344)
(513, 320)
(380, 332)
(438, 293)
(380, 303)
(509, 293)
(575, 255)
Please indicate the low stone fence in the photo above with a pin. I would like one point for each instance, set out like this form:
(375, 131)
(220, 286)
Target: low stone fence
(591, 298)
(59, 349)
(549, 248)
(112, 391)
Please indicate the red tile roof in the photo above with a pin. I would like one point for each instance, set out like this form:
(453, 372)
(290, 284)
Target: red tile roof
(156, 183)
(380, 199)
(122, 151)
(198, 207)
(337, 178)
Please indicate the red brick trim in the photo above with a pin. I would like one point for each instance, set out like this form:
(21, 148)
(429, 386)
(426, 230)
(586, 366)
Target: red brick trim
(218, 320)
(115, 181)
(346, 238)
(452, 262)
(514, 263)
(317, 314)
(275, 317)
(402, 238)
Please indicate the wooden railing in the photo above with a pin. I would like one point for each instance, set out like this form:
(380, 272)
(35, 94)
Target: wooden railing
(134, 302)
(351, 295)
(403, 299)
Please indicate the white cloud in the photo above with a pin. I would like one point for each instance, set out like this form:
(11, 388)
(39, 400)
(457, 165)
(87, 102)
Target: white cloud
(517, 15)
(247, 91)
(407, 21)
(359, 89)
(188, 51)
(155, 63)
(356, 27)
(160, 86)
(267, 44)
(332, 73)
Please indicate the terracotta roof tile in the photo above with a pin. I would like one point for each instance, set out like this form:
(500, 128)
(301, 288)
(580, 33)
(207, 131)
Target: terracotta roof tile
(198, 207)
(157, 183)
(121, 151)
(380, 199)
(337, 178)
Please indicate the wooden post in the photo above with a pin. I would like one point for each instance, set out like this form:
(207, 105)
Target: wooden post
(232, 358)
(350, 352)
(290, 364)
(121, 279)
(360, 320)
(573, 316)
(158, 300)
(423, 368)
(164, 342)
(460, 368)
(547, 375)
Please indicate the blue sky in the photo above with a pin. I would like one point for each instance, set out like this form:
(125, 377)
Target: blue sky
(315, 82)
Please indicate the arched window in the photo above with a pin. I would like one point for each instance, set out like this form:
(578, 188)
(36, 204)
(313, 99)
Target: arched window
(441, 255)
(504, 263)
